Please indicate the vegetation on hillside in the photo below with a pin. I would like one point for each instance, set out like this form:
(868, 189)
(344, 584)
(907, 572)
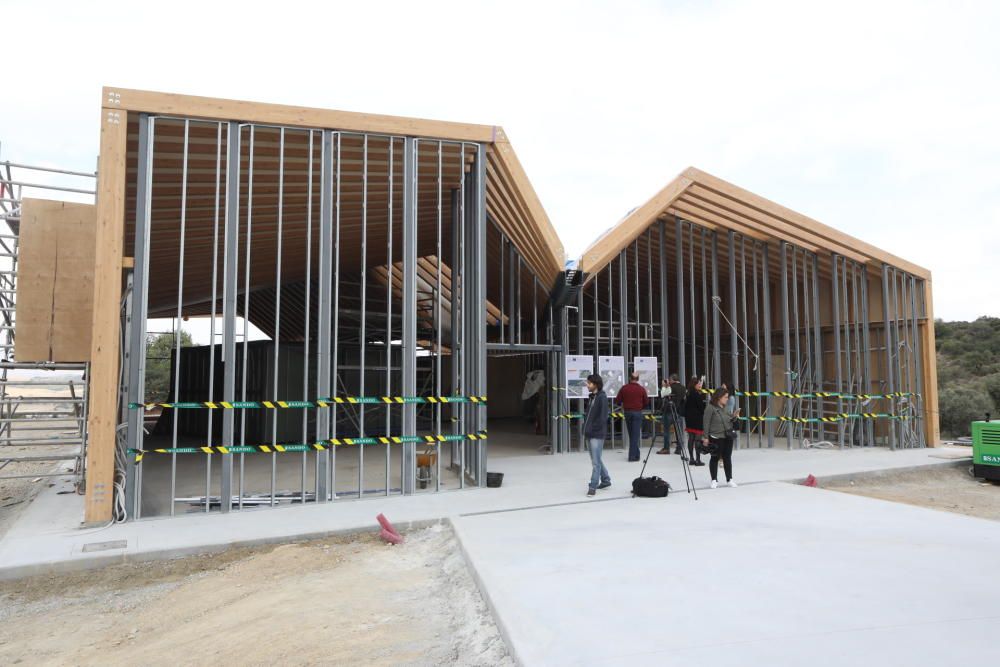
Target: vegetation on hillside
(968, 357)
(158, 351)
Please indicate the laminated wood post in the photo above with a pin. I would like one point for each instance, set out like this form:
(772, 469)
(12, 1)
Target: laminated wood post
(932, 429)
(104, 346)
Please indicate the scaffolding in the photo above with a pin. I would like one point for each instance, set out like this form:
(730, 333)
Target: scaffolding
(43, 405)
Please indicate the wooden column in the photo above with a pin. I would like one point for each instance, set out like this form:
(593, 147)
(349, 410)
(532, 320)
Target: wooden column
(932, 422)
(104, 347)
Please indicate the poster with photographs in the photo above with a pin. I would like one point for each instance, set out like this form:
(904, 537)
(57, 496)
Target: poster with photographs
(646, 368)
(577, 370)
(612, 371)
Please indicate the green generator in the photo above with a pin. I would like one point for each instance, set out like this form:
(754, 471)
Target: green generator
(986, 450)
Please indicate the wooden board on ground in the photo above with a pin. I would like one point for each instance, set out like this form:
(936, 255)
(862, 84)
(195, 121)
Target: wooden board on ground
(55, 286)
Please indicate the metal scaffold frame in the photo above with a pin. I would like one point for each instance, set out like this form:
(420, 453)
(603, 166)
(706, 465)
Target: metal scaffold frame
(42, 420)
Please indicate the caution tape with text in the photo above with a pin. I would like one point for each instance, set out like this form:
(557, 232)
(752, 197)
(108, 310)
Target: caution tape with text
(320, 446)
(319, 403)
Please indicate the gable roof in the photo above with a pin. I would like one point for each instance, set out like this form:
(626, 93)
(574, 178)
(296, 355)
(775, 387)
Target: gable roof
(511, 200)
(711, 202)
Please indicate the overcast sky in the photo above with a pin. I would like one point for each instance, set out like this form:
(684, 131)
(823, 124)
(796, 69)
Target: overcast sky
(881, 119)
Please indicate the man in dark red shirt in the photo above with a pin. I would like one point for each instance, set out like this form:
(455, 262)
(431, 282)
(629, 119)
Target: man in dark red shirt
(633, 400)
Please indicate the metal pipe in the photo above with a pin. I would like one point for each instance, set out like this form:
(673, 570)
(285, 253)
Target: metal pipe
(680, 300)
(362, 335)
(756, 281)
(787, 334)
(766, 297)
(705, 299)
(865, 330)
(229, 290)
(716, 326)
(661, 257)
(50, 170)
(246, 310)
(277, 309)
(746, 328)
(136, 388)
(437, 310)
(409, 281)
(42, 186)
(897, 353)
(918, 347)
(178, 319)
(215, 284)
(308, 308)
(734, 352)
(328, 250)
(835, 283)
(887, 336)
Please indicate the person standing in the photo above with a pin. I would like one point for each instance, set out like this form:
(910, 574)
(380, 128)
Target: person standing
(732, 408)
(719, 432)
(595, 430)
(633, 400)
(694, 416)
(672, 392)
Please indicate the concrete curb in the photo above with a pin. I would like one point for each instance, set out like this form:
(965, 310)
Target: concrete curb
(55, 567)
(880, 474)
(484, 592)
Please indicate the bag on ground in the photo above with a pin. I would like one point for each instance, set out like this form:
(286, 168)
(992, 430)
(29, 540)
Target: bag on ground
(650, 487)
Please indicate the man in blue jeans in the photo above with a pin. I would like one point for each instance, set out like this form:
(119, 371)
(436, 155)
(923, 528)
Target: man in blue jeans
(595, 430)
(633, 399)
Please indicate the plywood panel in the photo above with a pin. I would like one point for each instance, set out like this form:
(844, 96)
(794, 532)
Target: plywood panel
(55, 286)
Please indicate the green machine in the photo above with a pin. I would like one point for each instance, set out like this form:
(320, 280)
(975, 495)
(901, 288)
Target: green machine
(986, 449)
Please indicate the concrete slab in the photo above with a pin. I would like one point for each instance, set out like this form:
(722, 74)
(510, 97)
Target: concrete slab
(47, 535)
(768, 573)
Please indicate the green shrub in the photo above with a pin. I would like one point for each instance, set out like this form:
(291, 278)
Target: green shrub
(959, 405)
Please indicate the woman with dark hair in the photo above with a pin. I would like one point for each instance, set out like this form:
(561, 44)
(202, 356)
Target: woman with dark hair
(718, 433)
(595, 430)
(694, 415)
(732, 408)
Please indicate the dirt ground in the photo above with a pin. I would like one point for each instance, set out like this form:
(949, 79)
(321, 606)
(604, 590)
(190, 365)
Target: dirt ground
(949, 488)
(343, 601)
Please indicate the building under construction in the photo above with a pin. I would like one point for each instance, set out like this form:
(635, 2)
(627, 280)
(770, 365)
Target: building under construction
(380, 301)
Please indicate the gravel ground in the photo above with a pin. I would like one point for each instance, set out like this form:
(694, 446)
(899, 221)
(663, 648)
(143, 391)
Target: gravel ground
(948, 488)
(348, 600)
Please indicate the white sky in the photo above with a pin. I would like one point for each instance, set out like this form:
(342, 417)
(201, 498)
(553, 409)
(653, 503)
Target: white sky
(881, 119)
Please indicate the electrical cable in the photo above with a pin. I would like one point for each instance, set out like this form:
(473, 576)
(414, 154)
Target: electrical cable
(716, 300)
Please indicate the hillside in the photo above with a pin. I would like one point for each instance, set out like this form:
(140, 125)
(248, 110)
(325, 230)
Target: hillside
(968, 357)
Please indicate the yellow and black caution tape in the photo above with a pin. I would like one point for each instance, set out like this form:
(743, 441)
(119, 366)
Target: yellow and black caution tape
(320, 446)
(613, 415)
(318, 403)
(828, 419)
(819, 394)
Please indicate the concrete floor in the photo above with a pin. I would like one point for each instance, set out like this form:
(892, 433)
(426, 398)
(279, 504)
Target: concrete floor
(769, 573)
(293, 473)
(47, 534)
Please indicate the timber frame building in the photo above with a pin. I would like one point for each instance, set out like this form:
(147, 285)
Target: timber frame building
(403, 278)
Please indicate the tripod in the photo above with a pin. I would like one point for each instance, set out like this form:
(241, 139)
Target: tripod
(688, 477)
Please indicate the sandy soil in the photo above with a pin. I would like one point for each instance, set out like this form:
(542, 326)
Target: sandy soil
(339, 601)
(949, 488)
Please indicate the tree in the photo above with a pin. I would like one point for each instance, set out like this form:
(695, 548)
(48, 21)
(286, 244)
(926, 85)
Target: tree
(159, 349)
(959, 406)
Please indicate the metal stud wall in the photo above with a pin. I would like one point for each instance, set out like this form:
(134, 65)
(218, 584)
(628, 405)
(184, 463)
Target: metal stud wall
(339, 281)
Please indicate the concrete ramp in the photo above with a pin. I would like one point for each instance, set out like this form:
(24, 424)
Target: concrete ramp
(766, 574)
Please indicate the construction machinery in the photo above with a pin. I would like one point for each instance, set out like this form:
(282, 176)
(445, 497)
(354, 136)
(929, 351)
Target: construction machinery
(986, 449)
